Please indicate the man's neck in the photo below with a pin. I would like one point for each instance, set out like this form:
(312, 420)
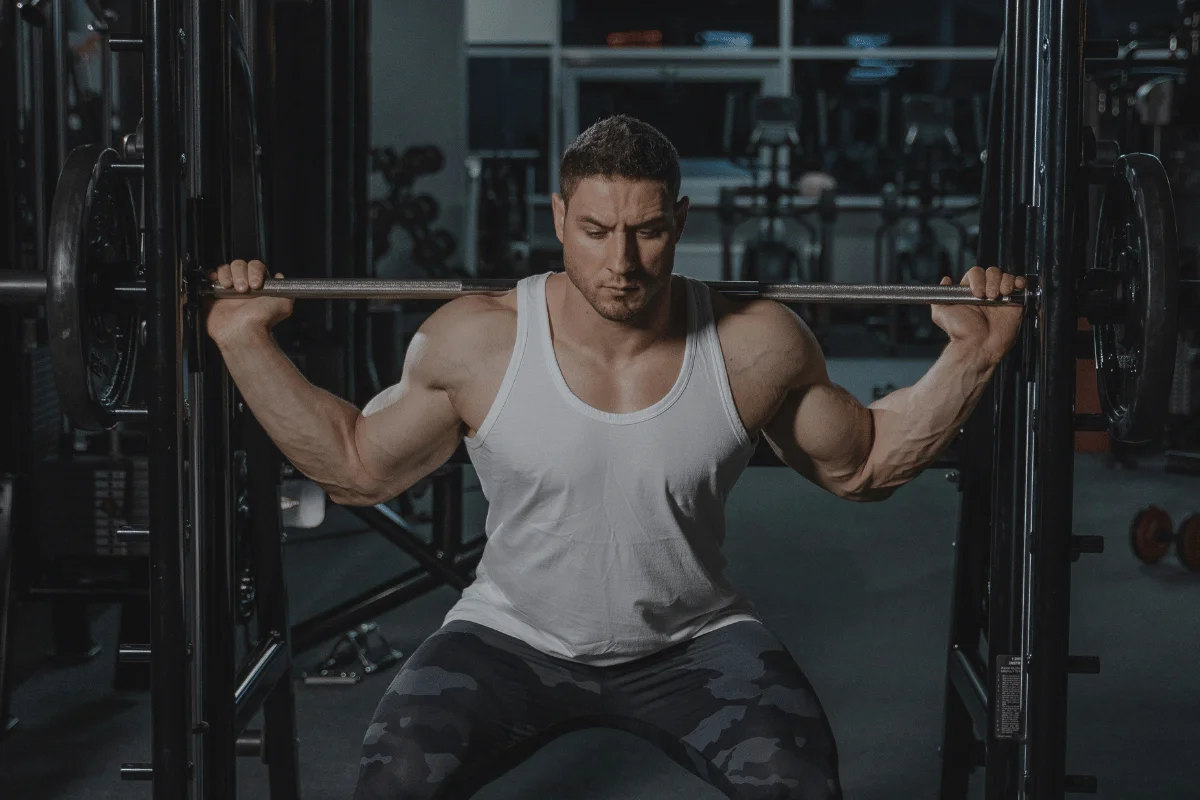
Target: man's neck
(574, 321)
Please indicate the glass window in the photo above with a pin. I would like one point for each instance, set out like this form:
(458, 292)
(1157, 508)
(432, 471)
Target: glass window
(855, 118)
(1112, 19)
(509, 102)
(681, 23)
(936, 23)
(704, 119)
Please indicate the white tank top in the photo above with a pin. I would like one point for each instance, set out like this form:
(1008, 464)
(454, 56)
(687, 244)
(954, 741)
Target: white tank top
(604, 530)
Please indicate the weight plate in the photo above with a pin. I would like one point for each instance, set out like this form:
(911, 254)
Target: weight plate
(246, 229)
(1187, 542)
(1150, 534)
(93, 246)
(1135, 354)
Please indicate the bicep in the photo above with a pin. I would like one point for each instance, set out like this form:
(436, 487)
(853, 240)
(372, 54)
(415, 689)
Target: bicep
(824, 433)
(410, 429)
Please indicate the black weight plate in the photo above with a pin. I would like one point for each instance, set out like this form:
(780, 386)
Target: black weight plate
(246, 229)
(1135, 356)
(93, 245)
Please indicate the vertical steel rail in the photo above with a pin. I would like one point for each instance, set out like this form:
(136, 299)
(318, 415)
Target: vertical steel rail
(36, 54)
(212, 413)
(197, 541)
(169, 648)
(279, 709)
(1019, 225)
(279, 742)
(106, 90)
(1051, 517)
(59, 52)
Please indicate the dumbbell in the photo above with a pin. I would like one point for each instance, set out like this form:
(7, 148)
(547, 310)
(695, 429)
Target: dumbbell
(1151, 535)
(420, 210)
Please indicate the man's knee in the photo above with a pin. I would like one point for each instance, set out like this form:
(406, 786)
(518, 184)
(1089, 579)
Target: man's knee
(765, 768)
(417, 738)
(403, 767)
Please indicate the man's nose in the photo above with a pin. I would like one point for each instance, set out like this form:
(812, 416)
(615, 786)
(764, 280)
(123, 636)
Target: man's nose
(625, 251)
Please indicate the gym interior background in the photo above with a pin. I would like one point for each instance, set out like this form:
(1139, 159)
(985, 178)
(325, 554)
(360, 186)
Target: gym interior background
(420, 138)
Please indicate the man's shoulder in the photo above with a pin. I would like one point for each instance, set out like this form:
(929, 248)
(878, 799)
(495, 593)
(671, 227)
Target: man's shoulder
(762, 333)
(469, 323)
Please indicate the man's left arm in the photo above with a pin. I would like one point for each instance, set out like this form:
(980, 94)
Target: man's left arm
(864, 453)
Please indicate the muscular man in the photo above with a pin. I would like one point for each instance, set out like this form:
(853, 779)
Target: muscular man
(608, 411)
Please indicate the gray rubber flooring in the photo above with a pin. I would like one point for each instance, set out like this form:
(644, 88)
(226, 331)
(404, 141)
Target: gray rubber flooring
(859, 593)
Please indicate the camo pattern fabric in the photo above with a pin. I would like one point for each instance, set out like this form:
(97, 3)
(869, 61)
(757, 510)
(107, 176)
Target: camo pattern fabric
(471, 703)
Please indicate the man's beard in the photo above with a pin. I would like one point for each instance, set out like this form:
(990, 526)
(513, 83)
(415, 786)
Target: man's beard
(620, 308)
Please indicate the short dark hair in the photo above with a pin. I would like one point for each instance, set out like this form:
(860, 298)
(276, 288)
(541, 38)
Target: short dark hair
(620, 147)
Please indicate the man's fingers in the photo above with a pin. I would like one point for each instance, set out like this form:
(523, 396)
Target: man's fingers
(257, 272)
(1007, 283)
(224, 276)
(994, 277)
(240, 280)
(976, 279)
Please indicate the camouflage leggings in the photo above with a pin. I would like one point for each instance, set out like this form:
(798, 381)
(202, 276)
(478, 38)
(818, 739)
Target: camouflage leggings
(470, 704)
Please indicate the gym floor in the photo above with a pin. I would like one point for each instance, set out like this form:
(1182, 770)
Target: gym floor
(859, 593)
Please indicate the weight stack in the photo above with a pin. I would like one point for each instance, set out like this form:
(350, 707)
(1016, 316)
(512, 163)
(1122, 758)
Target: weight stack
(80, 504)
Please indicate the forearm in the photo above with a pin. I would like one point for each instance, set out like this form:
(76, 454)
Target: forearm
(312, 428)
(912, 426)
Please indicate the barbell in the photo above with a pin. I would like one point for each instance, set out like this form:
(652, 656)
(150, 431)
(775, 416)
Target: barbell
(94, 291)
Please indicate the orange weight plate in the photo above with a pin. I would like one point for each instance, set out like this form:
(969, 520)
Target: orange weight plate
(1150, 534)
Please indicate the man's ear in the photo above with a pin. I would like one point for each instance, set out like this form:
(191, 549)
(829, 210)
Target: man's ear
(682, 206)
(560, 215)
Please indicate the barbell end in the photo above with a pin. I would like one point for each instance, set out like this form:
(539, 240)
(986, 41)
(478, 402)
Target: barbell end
(133, 534)
(134, 654)
(18, 287)
(137, 771)
(125, 45)
(127, 169)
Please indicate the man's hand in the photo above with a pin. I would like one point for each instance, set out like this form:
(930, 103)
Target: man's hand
(990, 329)
(231, 318)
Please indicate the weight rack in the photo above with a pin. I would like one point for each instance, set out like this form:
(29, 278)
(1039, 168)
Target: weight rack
(1008, 661)
(190, 192)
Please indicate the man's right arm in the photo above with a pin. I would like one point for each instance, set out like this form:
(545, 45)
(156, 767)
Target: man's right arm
(357, 459)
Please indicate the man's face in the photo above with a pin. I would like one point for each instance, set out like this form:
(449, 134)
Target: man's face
(619, 240)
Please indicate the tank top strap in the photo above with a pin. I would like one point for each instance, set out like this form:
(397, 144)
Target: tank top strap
(709, 345)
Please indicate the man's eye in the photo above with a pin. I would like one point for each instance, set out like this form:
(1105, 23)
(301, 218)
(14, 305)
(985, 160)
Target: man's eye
(596, 234)
(652, 233)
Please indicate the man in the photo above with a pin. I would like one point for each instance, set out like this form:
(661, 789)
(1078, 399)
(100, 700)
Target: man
(608, 411)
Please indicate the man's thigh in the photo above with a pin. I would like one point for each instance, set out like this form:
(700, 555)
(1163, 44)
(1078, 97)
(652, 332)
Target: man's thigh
(734, 707)
(469, 702)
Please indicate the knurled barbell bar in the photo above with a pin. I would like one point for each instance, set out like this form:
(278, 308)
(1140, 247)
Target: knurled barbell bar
(442, 289)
